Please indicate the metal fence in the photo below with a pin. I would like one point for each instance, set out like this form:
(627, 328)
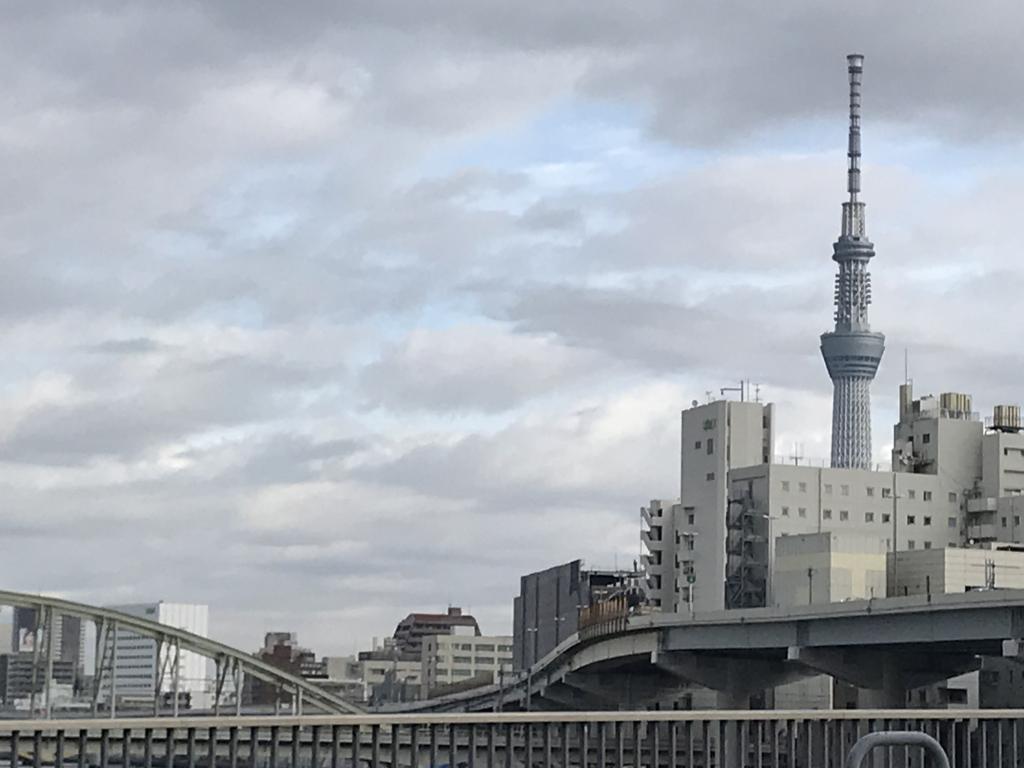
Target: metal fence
(767, 739)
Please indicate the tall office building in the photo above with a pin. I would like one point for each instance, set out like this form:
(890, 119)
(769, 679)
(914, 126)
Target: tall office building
(68, 636)
(140, 666)
(852, 351)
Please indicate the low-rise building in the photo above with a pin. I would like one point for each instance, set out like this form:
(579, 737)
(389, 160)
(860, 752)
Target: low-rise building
(282, 650)
(411, 630)
(16, 679)
(997, 684)
(389, 674)
(453, 659)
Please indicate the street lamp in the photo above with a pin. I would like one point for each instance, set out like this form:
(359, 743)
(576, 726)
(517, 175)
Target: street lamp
(691, 577)
(529, 668)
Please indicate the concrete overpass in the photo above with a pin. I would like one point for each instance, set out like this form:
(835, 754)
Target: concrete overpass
(884, 647)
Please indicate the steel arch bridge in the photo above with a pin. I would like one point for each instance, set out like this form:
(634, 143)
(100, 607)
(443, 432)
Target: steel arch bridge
(231, 663)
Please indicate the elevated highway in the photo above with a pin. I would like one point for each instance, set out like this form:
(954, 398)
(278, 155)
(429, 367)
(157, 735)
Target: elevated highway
(884, 647)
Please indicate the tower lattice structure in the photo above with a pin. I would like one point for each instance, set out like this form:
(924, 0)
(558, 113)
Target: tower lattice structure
(852, 351)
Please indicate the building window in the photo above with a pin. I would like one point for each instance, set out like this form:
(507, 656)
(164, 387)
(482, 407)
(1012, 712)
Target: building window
(844, 514)
(1016, 520)
(844, 490)
(886, 517)
(785, 511)
(803, 487)
(927, 495)
(711, 446)
(697, 446)
(926, 438)
(689, 519)
(911, 544)
(951, 522)
(911, 494)
(927, 545)
(871, 491)
(927, 520)
(911, 519)
(709, 476)
(785, 485)
(952, 497)
(887, 493)
(1004, 522)
(802, 511)
(869, 517)
(689, 542)
(828, 488)
(826, 514)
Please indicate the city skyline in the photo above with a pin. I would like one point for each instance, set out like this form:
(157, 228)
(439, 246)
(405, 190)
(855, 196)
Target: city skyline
(333, 334)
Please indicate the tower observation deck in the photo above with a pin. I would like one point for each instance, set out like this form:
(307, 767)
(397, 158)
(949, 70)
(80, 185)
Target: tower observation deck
(852, 351)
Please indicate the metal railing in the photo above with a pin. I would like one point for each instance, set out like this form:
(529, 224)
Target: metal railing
(766, 739)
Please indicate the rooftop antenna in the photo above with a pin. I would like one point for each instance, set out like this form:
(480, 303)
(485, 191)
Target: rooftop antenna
(906, 365)
(741, 389)
(797, 456)
(757, 393)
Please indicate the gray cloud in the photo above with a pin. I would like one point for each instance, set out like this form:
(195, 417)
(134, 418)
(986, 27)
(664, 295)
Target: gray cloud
(319, 309)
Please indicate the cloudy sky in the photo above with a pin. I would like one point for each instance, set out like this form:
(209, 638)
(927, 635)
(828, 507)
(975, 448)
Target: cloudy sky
(325, 312)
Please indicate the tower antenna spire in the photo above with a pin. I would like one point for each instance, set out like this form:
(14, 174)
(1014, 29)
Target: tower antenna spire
(852, 351)
(855, 68)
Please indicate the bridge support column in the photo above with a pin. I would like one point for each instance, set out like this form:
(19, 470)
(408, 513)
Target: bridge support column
(735, 679)
(884, 676)
(892, 693)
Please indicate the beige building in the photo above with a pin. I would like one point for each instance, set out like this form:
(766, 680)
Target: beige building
(821, 568)
(458, 658)
(993, 566)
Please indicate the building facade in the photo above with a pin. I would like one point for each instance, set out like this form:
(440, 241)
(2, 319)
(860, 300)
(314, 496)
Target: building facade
(547, 610)
(17, 678)
(956, 483)
(411, 630)
(459, 658)
(68, 636)
(139, 666)
(716, 438)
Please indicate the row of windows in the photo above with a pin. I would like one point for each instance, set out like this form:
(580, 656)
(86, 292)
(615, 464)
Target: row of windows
(886, 493)
(458, 672)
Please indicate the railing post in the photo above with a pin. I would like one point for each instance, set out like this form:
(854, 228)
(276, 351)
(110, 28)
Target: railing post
(48, 677)
(113, 669)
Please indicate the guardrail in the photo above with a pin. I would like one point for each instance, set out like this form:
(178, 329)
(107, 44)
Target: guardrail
(766, 739)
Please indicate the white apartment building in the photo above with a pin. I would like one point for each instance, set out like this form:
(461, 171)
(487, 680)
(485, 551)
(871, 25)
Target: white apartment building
(686, 541)
(955, 483)
(136, 666)
(459, 658)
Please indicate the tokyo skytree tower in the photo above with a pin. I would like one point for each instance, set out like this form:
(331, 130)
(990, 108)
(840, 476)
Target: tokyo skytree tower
(852, 351)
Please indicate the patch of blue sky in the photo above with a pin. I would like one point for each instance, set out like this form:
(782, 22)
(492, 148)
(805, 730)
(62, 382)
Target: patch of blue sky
(947, 164)
(594, 144)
